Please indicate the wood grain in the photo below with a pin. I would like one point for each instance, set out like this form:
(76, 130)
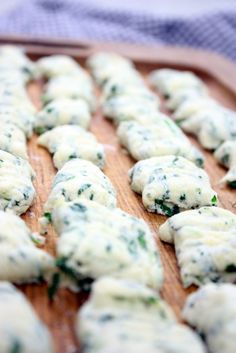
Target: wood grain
(60, 315)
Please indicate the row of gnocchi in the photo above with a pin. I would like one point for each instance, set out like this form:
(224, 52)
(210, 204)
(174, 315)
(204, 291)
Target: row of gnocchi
(170, 181)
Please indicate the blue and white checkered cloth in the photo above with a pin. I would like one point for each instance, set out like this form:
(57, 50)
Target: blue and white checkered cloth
(208, 24)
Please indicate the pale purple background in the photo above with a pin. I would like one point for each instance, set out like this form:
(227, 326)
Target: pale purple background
(209, 24)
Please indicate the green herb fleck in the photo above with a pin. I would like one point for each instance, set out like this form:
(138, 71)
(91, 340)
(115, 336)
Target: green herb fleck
(141, 239)
(48, 216)
(214, 200)
(168, 211)
(232, 184)
(53, 288)
(230, 268)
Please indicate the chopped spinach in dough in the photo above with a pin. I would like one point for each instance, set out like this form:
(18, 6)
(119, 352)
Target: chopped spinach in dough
(79, 179)
(212, 126)
(16, 188)
(21, 331)
(194, 106)
(12, 140)
(169, 81)
(76, 86)
(13, 58)
(226, 155)
(205, 244)
(134, 319)
(63, 111)
(57, 65)
(20, 260)
(18, 116)
(124, 108)
(212, 310)
(67, 142)
(125, 246)
(171, 184)
(159, 139)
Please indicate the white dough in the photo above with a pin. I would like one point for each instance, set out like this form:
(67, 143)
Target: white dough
(182, 96)
(171, 184)
(57, 65)
(205, 244)
(124, 245)
(21, 331)
(16, 188)
(123, 316)
(79, 179)
(226, 155)
(212, 310)
(194, 106)
(12, 140)
(20, 260)
(76, 86)
(67, 142)
(63, 111)
(160, 139)
(19, 116)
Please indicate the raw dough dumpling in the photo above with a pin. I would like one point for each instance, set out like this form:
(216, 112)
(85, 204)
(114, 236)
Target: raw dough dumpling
(125, 246)
(212, 126)
(171, 184)
(67, 142)
(79, 179)
(124, 108)
(13, 140)
(76, 86)
(21, 331)
(182, 96)
(169, 81)
(134, 319)
(226, 155)
(159, 139)
(212, 310)
(205, 244)
(19, 116)
(57, 65)
(16, 188)
(194, 106)
(20, 260)
(63, 111)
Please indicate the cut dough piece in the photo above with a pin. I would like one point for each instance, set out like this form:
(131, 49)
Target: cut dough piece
(21, 261)
(124, 108)
(79, 179)
(212, 310)
(169, 81)
(19, 116)
(205, 244)
(12, 140)
(159, 139)
(16, 188)
(63, 111)
(194, 106)
(57, 65)
(134, 319)
(125, 247)
(76, 86)
(67, 142)
(212, 126)
(171, 184)
(182, 96)
(226, 155)
(21, 331)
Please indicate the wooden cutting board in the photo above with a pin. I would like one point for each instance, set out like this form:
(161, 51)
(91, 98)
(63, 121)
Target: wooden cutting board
(220, 76)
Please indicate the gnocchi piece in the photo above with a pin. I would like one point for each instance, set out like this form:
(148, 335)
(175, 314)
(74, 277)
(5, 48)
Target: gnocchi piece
(77, 86)
(19, 116)
(160, 139)
(194, 106)
(212, 126)
(12, 140)
(80, 179)
(226, 155)
(21, 330)
(67, 142)
(63, 111)
(135, 320)
(212, 310)
(20, 260)
(171, 184)
(169, 81)
(16, 188)
(125, 247)
(205, 244)
(182, 96)
(57, 65)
